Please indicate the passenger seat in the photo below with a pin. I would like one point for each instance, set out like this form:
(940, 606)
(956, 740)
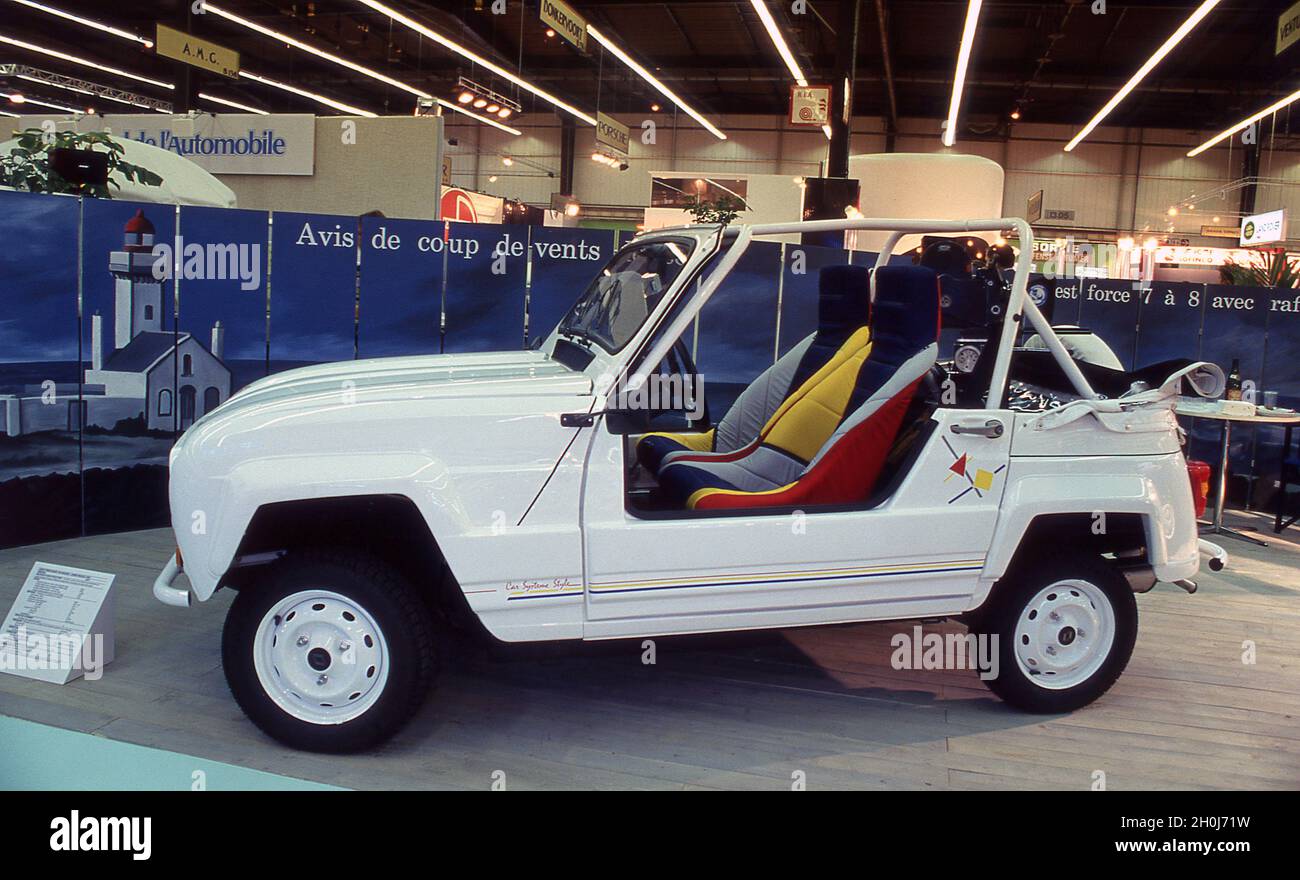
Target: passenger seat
(843, 308)
(828, 443)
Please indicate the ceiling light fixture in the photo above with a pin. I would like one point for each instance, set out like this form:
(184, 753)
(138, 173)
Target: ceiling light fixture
(117, 32)
(483, 119)
(1174, 39)
(319, 53)
(959, 77)
(650, 78)
(328, 102)
(500, 71)
(16, 98)
(782, 49)
(1245, 123)
(229, 103)
(84, 62)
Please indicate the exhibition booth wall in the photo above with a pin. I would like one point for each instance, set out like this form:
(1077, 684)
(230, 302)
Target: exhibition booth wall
(102, 365)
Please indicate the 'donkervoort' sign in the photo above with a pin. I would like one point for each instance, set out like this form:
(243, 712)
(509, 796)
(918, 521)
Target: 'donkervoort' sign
(229, 143)
(567, 23)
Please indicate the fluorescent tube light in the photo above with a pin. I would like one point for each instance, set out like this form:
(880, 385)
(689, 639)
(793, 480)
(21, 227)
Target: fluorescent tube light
(1267, 111)
(1174, 39)
(500, 71)
(650, 78)
(963, 62)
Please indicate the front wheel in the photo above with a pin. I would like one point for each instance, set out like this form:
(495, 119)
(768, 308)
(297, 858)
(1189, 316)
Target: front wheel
(329, 651)
(1065, 630)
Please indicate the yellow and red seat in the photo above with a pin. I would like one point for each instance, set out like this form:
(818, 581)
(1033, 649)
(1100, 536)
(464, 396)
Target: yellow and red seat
(827, 442)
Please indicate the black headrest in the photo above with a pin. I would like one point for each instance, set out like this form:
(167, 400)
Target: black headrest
(844, 299)
(906, 310)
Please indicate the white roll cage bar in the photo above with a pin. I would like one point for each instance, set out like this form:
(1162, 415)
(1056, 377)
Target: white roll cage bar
(1019, 306)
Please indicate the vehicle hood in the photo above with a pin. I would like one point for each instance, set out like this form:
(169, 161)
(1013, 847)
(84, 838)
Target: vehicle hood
(493, 374)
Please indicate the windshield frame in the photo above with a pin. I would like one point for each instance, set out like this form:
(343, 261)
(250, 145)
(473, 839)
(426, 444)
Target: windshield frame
(566, 328)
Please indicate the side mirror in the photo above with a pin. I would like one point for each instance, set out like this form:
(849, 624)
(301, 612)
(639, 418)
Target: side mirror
(619, 421)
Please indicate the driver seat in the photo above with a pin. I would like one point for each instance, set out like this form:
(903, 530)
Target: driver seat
(828, 443)
(843, 309)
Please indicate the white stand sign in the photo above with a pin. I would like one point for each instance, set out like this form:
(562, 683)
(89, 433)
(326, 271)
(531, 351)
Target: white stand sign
(60, 626)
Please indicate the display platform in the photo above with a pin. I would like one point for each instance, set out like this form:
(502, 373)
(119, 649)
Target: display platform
(751, 710)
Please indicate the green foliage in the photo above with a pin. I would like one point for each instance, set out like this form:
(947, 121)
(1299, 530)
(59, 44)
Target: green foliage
(723, 210)
(27, 167)
(1278, 271)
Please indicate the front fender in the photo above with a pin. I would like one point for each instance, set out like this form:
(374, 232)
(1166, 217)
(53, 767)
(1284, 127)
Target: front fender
(1155, 487)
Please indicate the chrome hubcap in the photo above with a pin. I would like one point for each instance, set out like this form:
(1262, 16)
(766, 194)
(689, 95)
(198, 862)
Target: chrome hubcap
(1064, 634)
(320, 657)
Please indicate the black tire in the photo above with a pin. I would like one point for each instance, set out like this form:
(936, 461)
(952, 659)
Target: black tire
(1011, 596)
(394, 606)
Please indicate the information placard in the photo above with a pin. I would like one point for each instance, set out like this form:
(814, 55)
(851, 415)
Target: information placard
(60, 626)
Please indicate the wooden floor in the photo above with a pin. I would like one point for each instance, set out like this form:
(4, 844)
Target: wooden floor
(750, 711)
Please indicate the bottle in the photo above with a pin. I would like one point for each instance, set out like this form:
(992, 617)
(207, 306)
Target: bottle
(1234, 381)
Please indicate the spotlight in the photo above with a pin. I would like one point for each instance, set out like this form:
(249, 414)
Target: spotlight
(492, 179)
(1015, 114)
(465, 97)
(572, 209)
(1150, 244)
(1218, 220)
(504, 112)
(492, 108)
(1126, 243)
(480, 103)
(507, 161)
(1173, 212)
(17, 98)
(550, 32)
(654, 108)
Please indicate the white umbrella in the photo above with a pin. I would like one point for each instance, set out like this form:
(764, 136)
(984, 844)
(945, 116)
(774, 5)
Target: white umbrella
(184, 183)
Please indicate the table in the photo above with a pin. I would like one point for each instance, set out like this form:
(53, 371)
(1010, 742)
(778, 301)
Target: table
(1195, 411)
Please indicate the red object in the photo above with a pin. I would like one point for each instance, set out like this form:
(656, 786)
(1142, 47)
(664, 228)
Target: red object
(1199, 473)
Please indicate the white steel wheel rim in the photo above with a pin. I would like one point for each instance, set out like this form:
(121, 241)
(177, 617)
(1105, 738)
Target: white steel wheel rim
(1064, 634)
(320, 657)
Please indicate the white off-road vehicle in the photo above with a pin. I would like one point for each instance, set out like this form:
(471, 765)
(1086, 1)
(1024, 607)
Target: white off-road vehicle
(359, 508)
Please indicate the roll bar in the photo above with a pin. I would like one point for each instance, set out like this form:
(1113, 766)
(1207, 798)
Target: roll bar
(1019, 307)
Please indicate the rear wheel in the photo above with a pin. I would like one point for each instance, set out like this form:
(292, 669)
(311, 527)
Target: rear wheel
(1065, 629)
(329, 651)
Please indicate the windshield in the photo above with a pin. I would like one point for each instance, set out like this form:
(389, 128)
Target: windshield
(625, 293)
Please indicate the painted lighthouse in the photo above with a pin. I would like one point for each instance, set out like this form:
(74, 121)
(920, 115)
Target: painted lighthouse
(166, 378)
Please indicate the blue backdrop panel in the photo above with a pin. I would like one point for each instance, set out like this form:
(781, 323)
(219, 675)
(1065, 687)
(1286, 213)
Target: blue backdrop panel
(1281, 374)
(484, 301)
(232, 288)
(1066, 294)
(40, 494)
(402, 265)
(132, 411)
(737, 326)
(564, 261)
(1169, 322)
(800, 271)
(1109, 308)
(1282, 364)
(1236, 319)
(313, 288)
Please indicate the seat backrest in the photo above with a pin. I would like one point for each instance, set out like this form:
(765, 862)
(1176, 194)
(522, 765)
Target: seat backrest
(829, 442)
(843, 307)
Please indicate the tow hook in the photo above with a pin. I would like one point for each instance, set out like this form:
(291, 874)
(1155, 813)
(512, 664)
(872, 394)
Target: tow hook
(1189, 586)
(163, 590)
